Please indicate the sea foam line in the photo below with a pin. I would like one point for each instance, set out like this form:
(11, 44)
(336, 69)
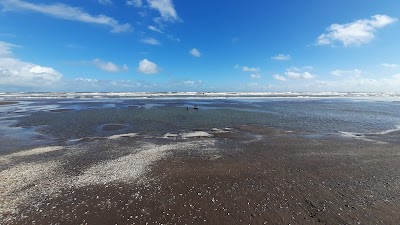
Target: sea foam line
(359, 136)
(390, 130)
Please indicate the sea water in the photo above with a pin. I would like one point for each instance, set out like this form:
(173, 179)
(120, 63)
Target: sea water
(43, 118)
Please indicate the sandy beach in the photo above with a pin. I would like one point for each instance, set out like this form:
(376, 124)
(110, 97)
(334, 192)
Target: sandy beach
(240, 175)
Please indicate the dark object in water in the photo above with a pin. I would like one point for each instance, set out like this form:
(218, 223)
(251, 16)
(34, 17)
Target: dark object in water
(195, 107)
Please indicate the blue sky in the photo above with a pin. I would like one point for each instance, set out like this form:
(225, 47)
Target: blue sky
(199, 45)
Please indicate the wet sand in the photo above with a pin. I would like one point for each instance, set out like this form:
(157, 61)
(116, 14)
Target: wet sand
(7, 103)
(249, 175)
(112, 127)
(60, 110)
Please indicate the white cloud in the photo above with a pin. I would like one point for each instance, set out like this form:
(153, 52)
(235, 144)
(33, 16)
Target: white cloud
(194, 52)
(390, 65)
(299, 75)
(135, 3)
(109, 66)
(255, 76)
(299, 69)
(165, 8)
(105, 2)
(281, 57)
(151, 41)
(86, 83)
(66, 12)
(16, 72)
(355, 33)
(192, 82)
(279, 77)
(6, 49)
(250, 69)
(348, 73)
(173, 38)
(86, 80)
(153, 28)
(148, 67)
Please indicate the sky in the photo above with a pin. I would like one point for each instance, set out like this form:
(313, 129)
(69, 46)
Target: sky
(200, 45)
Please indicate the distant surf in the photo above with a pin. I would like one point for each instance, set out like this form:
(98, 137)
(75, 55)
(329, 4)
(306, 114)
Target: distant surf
(186, 95)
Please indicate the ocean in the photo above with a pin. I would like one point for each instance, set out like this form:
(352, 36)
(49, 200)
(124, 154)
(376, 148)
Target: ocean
(49, 118)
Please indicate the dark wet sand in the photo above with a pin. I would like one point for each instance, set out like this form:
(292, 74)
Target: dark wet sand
(280, 179)
(61, 110)
(112, 127)
(7, 103)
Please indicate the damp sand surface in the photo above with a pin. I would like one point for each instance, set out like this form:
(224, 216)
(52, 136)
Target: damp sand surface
(112, 127)
(277, 178)
(7, 103)
(60, 110)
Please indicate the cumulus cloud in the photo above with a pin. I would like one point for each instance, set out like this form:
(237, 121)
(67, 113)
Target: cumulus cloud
(135, 3)
(147, 67)
(16, 72)
(66, 12)
(299, 75)
(281, 57)
(195, 52)
(279, 77)
(165, 8)
(109, 66)
(355, 33)
(296, 73)
(250, 69)
(151, 41)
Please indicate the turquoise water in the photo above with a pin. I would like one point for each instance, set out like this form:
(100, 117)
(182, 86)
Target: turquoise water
(34, 120)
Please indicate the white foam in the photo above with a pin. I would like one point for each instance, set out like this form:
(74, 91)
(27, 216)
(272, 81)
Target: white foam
(196, 134)
(390, 130)
(359, 136)
(216, 130)
(117, 136)
(170, 135)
